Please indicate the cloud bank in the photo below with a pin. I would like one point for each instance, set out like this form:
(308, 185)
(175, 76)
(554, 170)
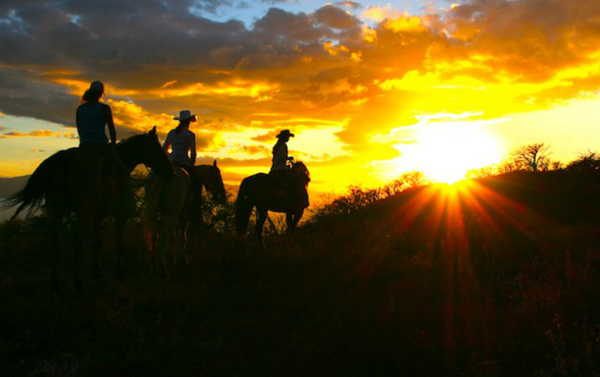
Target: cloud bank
(332, 66)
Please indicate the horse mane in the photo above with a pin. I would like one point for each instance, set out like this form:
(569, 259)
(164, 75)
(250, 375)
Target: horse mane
(300, 168)
(132, 138)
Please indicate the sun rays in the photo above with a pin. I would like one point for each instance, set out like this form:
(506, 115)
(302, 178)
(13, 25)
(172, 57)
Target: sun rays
(445, 152)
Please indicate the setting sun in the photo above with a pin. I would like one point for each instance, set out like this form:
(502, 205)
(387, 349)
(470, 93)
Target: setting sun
(445, 152)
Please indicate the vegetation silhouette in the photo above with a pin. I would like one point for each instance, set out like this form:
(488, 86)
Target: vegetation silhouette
(266, 193)
(496, 276)
(169, 209)
(79, 181)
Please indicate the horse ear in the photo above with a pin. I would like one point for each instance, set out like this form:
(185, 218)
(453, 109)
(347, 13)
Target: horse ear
(153, 131)
(215, 163)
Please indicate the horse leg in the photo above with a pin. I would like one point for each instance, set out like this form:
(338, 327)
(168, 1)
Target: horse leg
(260, 222)
(165, 242)
(183, 243)
(292, 222)
(97, 247)
(77, 246)
(296, 218)
(289, 220)
(174, 246)
(59, 246)
(120, 223)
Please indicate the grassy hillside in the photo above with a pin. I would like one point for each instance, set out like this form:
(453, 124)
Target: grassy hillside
(495, 278)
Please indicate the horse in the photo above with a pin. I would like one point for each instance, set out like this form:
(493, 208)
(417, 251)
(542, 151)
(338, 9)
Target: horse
(168, 211)
(264, 192)
(81, 181)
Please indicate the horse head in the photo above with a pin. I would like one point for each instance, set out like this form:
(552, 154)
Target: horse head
(214, 184)
(299, 168)
(145, 149)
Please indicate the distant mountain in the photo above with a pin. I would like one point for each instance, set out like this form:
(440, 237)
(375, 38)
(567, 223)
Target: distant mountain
(9, 186)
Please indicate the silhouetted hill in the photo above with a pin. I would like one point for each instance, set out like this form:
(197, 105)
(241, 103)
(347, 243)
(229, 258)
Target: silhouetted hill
(497, 277)
(9, 186)
(515, 216)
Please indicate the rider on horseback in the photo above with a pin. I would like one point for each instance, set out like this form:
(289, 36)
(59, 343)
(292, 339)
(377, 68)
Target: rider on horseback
(92, 117)
(282, 172)
(183, 141)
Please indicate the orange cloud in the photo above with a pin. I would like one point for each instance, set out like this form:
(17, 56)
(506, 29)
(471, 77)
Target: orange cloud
(35, 133)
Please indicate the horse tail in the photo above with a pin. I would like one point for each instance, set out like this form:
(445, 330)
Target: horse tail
(34, 192)
(243, 208)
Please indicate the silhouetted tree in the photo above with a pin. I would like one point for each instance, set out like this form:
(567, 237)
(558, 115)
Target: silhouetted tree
(557, 165)
(533, 157)
(508, 166)
(483, 172)
(587, 161)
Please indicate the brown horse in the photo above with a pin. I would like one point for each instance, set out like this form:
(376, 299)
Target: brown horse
(168, 211)
(265, 193)
(80, 181)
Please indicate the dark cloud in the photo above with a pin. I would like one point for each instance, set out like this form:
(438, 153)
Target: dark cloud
(299, 64)
(292, 28)
(530, 39)
(26, 93)
(336, 18)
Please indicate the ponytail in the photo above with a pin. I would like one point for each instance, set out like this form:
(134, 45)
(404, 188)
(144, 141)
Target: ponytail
(91, 96)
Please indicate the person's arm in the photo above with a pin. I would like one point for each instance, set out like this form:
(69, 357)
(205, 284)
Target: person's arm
(193, 149)
(284, 153)
(111, 124)
(167, 143)
(77, 121)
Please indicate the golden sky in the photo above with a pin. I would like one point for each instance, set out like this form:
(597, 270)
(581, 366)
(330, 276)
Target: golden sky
(370, 90)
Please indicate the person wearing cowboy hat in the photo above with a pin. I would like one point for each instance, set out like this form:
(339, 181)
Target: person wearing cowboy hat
(182, 143)
(280, 171)
(280, 151)
(92, 118)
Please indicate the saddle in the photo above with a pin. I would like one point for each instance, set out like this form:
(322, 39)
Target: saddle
(107, 156)
(289, 182)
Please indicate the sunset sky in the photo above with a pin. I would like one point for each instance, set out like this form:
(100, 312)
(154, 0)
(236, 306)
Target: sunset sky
(371, 89)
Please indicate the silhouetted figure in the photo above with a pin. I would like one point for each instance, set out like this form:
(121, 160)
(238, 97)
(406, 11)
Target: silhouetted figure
(272, 192)
(170, 200)
(78, 181)
(182, 142)
(92, 118)
(280, 170)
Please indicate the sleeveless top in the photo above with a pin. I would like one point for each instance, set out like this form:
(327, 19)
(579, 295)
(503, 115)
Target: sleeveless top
(92, 121)
(181, 144)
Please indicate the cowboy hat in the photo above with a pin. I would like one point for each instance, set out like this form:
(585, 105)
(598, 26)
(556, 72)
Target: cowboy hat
(185, 115)
(285, 133)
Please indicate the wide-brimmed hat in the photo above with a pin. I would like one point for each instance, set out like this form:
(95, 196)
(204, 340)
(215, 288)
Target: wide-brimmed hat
(185, 115)
(285, 133)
